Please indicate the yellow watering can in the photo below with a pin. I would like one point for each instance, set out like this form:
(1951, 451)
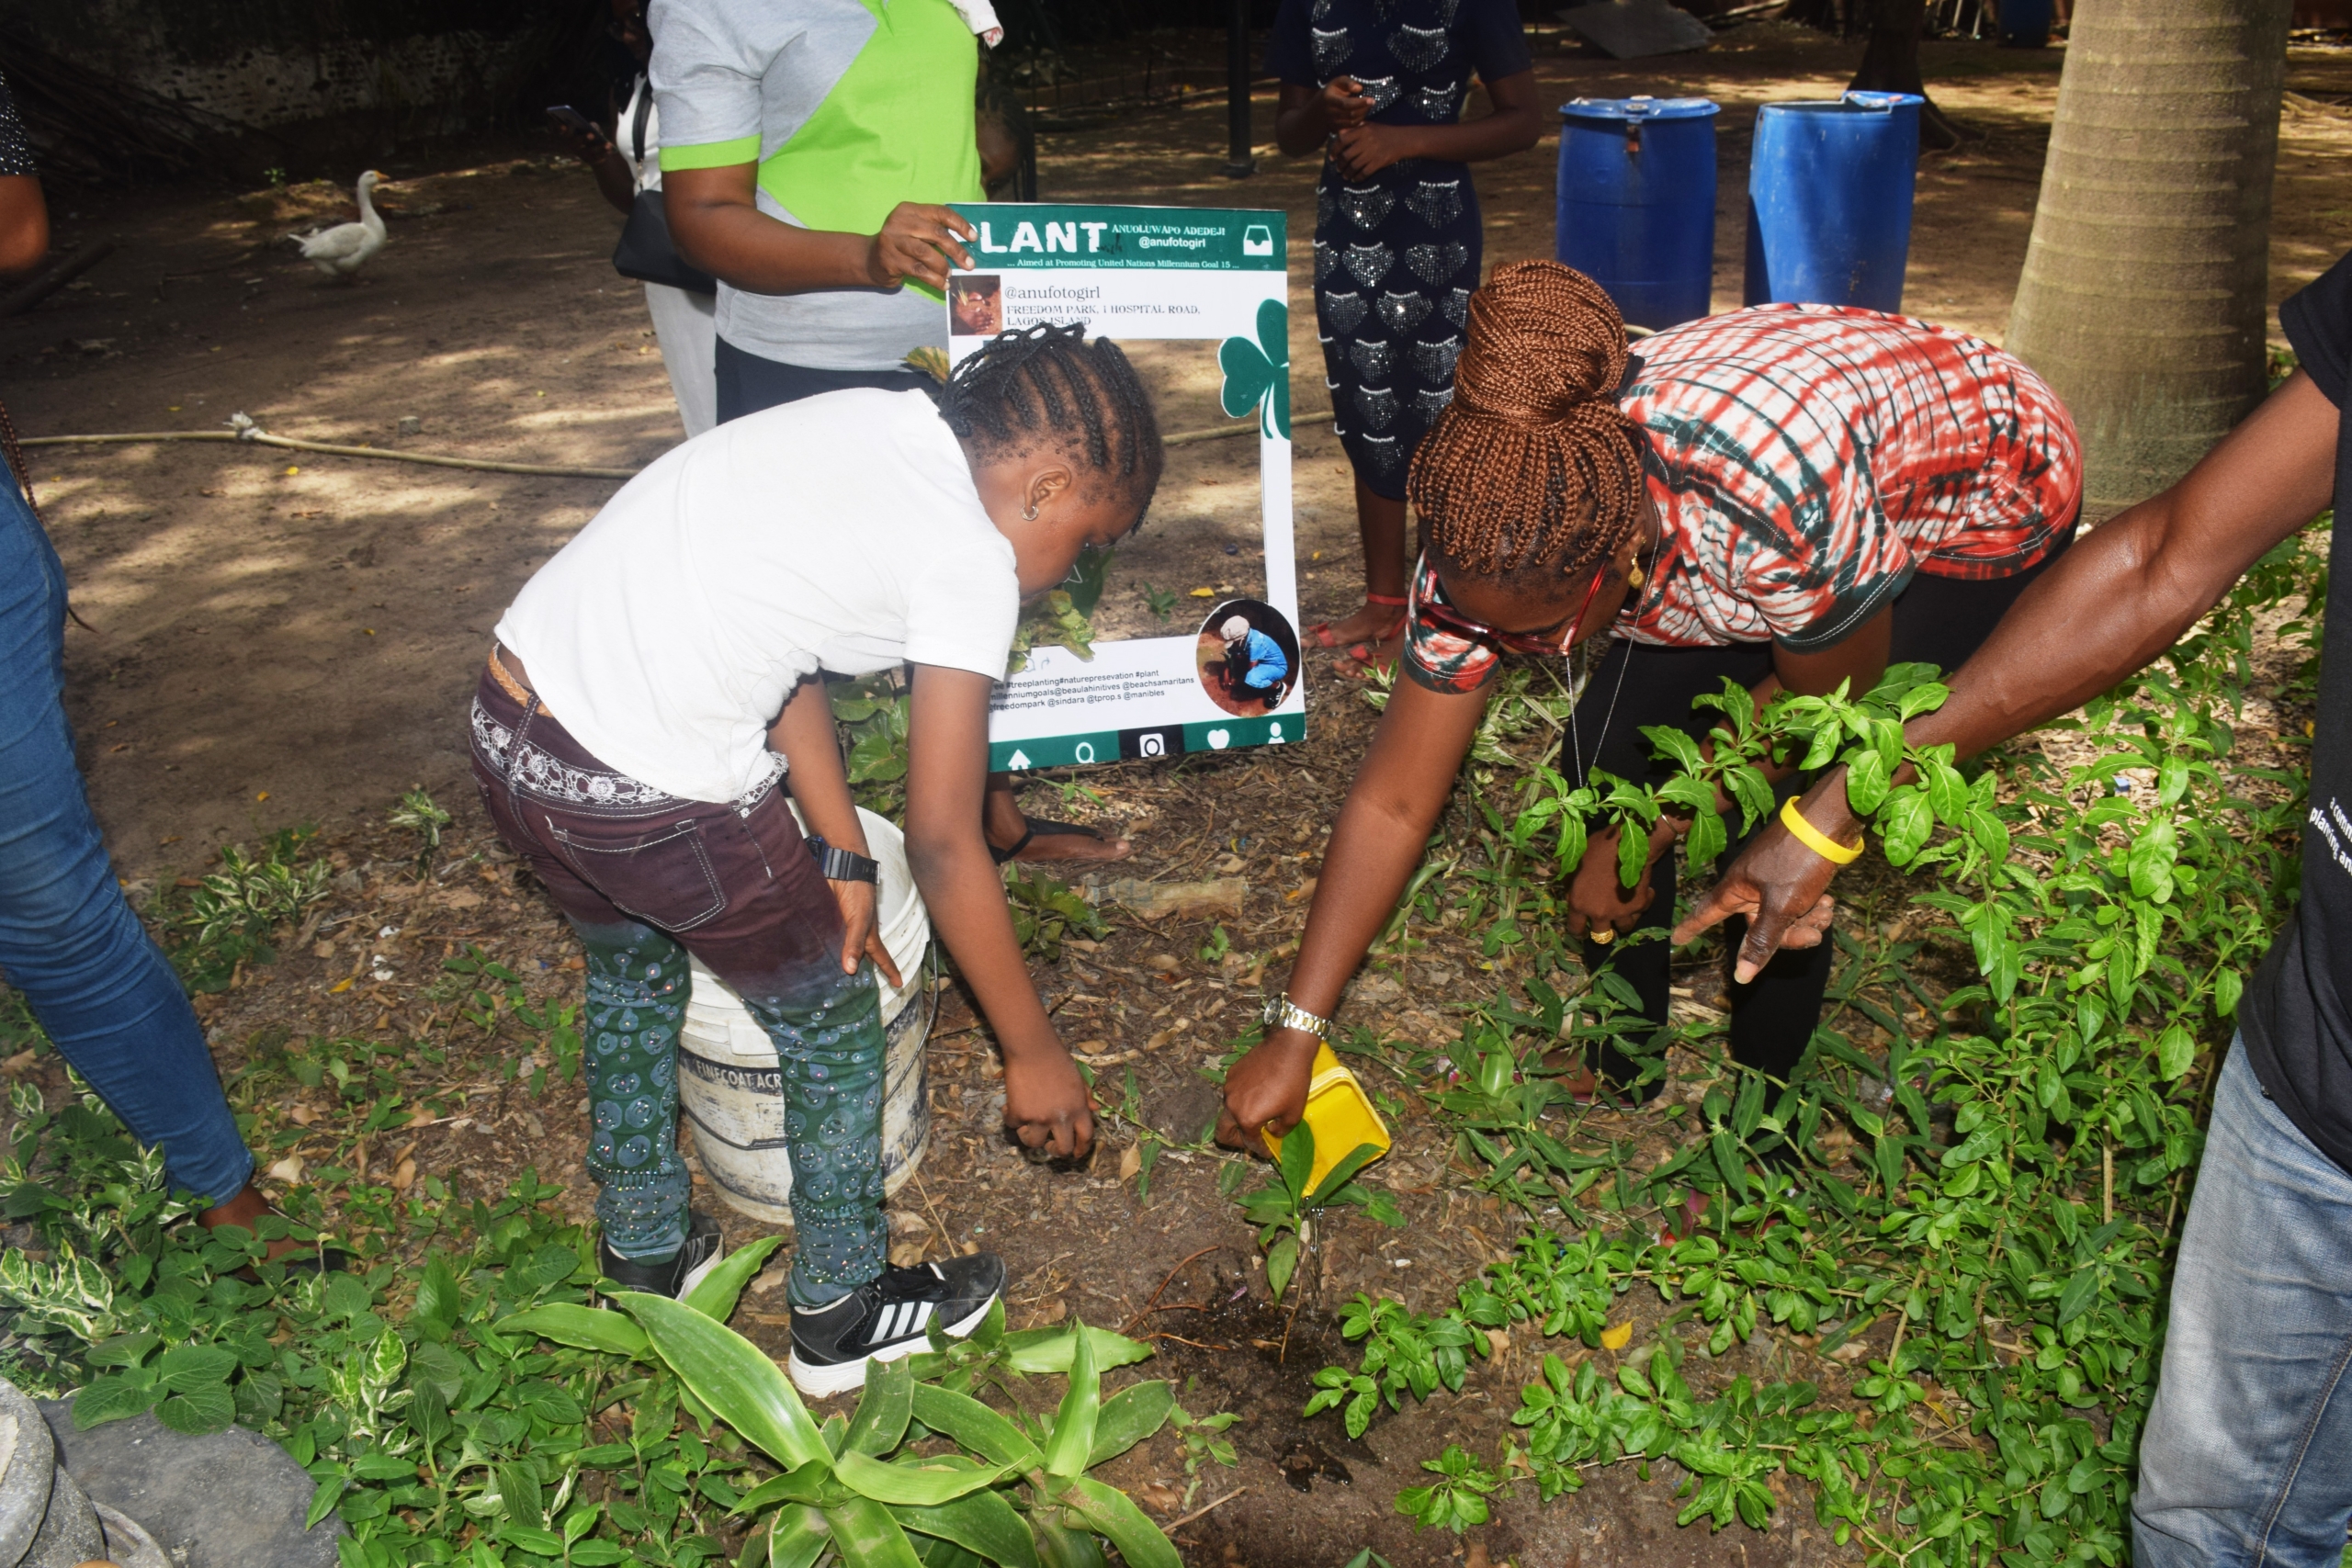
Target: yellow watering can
(1339, 1114)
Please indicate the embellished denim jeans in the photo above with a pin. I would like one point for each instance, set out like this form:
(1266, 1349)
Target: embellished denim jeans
(645, 878)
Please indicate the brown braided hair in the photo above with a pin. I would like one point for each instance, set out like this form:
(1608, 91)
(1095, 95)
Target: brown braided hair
(1532, 471)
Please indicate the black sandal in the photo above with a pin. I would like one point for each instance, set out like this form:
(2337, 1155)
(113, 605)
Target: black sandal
(1035, 825)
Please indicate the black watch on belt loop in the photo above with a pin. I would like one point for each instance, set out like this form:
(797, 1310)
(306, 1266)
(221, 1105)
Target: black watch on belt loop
(843, 865)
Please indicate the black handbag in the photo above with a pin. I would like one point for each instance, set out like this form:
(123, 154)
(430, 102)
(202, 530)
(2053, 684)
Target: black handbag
(646, 251)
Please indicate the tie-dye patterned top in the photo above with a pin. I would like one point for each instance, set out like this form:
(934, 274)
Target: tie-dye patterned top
(1805, 461)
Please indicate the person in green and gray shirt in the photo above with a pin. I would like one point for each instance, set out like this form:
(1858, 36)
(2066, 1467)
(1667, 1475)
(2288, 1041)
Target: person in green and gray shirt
(809, 150)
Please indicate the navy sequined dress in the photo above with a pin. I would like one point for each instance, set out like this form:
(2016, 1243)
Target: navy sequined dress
(1396, 256)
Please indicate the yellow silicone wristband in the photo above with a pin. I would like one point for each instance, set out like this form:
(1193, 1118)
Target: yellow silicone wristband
(1813, 839)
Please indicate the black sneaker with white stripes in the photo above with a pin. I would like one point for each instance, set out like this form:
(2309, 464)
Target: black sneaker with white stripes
(672, 1277)
(891, 1317)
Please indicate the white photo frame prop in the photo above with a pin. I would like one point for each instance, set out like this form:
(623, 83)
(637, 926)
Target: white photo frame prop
(1169, 274)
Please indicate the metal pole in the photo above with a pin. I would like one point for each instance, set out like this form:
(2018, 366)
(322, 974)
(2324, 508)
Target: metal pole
(1238, 164)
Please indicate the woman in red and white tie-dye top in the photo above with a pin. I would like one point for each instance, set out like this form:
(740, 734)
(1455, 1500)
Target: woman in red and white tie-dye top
(1791, 496)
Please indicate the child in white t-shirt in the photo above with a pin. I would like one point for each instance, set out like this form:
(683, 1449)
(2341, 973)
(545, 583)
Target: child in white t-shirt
(655, 681)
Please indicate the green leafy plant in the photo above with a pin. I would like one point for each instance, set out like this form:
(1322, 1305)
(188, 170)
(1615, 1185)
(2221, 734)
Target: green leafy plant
(1048, 912)
(1065, 616)
(417, 813)
(1011, 1491)
(872, 715)
(1405, 1351)
(1160, 601)
(226, 919)
(1284, 1209)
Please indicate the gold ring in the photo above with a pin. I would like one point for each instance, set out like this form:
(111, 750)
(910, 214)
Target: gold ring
(1604, 935)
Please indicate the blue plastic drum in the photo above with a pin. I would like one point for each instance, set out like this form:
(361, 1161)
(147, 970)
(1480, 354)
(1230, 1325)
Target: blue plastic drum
(1637, 203)
(1829, 189)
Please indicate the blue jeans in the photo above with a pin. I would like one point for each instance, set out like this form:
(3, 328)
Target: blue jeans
(2247, 1455)
(101, 989)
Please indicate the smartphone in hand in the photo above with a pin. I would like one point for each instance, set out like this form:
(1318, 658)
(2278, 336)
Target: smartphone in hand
(572, 119)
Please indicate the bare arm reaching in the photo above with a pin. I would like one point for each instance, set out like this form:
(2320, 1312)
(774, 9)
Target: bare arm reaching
(1045, 1101)
(2119, 598)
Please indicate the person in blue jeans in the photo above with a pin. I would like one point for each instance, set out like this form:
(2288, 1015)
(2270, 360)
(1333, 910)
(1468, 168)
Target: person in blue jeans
(95, 981)
(2248, 1454)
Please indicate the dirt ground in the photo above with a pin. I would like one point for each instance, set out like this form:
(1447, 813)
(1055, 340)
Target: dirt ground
(281, 639)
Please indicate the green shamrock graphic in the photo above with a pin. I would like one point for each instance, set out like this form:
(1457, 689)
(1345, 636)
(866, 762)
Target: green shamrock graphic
(1257, 375)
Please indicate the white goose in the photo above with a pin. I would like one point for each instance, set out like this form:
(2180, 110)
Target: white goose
(342, 249)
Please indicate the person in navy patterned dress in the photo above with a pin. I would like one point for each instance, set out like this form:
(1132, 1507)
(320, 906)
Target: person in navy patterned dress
(1378, 87)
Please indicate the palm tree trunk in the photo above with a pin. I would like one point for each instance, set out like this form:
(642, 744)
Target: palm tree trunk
(2147, 280)
(1891, 63)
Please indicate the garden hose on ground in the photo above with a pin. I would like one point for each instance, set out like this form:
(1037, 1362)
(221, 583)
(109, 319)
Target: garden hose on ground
(243, 429)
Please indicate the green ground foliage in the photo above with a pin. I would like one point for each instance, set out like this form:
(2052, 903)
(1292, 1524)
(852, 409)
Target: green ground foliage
(466, 1401)
(2023, 1144)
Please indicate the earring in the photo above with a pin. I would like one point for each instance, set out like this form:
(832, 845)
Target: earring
(1029, 512)
(1634, 576)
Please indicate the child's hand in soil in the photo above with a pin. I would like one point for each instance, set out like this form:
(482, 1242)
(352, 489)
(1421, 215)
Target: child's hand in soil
(1047, 1105)
(1267, 1088)
(862, 930)
(918, 242)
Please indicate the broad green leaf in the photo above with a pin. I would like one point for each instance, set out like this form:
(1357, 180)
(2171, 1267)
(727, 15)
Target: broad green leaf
(1632, 854)
(519, 1494)
(1297, 1161)
(730, 1375)
(113, 1398)
(539, 1542)
(811, 1484)
(884, 1408)
(2175, 1051)
(2076, 1299)
(975, 1426)
(867, 1537)
(1904, 823)
(796, 1537)
(925, 1485)
(2228, 987)
(207, 1407)
(1108, 1510)
(185, 1369)
(436, 1313)
(1280, 1259)
(1034, 1350)
(1073, 1436)
(1707, 840)
(1356, 1159)
(1129, 1417)
(2151, 859)
(714, 1296)
(1866, 783)
(328, 1493)
(983, 1523)
(1059, 1548)
(582, 1328)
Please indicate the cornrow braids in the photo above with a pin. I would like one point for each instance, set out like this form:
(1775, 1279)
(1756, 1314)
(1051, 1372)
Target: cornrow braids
(1532, 469)
(1049, 383)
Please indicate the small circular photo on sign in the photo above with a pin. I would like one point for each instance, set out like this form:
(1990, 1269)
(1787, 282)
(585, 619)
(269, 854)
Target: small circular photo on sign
(1248, 657)
(975, 305)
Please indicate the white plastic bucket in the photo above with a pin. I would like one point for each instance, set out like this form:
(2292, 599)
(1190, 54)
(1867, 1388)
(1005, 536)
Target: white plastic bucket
(728, 1081)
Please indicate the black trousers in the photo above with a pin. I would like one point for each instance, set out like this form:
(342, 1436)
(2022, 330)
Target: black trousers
(1937, 620)
(747, 383)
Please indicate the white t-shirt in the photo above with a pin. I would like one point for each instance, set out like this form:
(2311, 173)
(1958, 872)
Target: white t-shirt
(841, 531)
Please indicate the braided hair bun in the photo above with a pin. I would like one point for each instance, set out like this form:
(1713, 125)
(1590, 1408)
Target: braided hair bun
(1532, 471)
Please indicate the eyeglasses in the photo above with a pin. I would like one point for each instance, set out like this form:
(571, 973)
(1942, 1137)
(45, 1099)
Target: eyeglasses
(1551, 641)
